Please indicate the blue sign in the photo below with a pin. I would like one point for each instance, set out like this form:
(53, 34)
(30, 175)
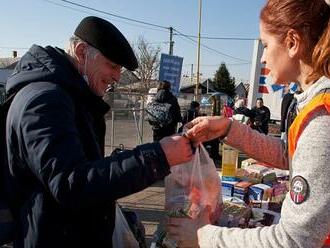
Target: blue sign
(170, 70)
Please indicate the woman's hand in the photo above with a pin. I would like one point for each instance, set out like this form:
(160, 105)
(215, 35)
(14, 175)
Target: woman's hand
(207, 128)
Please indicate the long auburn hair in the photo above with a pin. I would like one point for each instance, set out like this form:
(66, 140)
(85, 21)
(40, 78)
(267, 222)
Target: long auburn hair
(311, 19)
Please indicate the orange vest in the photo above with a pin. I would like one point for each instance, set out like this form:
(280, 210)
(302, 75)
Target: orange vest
(295, 130)
(320, 101)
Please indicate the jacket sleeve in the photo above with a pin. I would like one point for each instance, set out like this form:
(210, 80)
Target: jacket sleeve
(55, 154)
(258, 146)
(304, 225)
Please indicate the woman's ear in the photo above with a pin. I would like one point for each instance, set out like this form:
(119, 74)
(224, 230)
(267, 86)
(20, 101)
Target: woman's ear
(293, 43)
(80, 52)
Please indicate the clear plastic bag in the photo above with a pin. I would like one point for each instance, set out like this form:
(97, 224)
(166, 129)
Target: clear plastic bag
(122, 236)
(193, 186)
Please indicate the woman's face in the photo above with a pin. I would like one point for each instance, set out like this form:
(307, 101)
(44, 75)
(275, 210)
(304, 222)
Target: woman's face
(283, 68)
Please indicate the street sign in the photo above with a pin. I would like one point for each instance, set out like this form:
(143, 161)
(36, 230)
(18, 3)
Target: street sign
(170, 70)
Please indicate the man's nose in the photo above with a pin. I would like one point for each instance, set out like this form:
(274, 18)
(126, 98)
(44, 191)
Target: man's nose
(116, 74)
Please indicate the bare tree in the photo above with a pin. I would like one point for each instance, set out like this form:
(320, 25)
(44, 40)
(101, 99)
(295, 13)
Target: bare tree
(148, 58)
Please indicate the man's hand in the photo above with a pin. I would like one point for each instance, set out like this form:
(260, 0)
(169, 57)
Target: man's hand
(206, 128)
(177, 149)
(184, 230)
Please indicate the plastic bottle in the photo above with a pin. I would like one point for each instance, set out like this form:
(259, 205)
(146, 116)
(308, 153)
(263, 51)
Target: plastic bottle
(229, 163)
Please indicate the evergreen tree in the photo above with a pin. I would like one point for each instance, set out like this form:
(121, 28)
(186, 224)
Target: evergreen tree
(223, 82)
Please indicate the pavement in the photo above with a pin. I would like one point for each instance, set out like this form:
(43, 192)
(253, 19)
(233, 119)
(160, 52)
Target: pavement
(149, 206)
(149, 203)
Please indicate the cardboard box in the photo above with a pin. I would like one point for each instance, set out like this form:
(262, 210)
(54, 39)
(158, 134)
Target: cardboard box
(256, 192)
(241, 190)
(228, 187)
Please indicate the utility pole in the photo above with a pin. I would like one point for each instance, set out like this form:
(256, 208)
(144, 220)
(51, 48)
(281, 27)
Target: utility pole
(171, 41)
(198, 49)
(192, 73)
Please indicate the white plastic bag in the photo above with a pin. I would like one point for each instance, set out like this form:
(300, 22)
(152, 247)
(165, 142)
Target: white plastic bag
(193, 186)
(122, 236)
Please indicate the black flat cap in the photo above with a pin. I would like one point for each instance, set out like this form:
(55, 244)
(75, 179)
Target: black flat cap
(105, 37)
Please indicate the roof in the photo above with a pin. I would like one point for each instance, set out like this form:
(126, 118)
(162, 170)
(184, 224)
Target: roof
(8, 63)
(127, 77)
(4, 74)
(206, 85)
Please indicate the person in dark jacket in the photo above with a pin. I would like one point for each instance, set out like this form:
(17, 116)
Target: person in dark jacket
(242, 113)
(261, 116)
(62, 189)
(164, 95)
(286, 101)
(190, 114)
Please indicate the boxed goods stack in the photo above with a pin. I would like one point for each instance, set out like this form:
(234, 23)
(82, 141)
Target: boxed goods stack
(241, 190)
(255, 189)
(228, 187)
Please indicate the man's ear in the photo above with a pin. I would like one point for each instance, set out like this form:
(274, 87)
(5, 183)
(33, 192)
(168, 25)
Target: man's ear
(293, 43)
(80, 52)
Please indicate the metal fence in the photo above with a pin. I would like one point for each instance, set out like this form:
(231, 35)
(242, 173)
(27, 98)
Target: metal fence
(126, 123)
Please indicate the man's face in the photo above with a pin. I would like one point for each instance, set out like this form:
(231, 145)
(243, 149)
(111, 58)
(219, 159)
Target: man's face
(259, 104)
(101, 73)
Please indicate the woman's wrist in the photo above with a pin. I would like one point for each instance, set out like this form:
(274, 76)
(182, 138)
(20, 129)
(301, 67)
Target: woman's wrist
(227, 129)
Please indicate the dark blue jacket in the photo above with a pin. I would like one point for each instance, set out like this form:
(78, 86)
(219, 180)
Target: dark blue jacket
(62, 189)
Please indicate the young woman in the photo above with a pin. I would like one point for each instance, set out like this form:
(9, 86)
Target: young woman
(296, 39)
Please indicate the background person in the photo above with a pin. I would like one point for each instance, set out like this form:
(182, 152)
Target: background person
(164, 95)
(261, 116)
(62, 189)
(296, 39)
(241, 112)
(286, 101)
(190, 114)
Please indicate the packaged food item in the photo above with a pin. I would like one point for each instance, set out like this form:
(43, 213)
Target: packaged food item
(228, 187)
(241, 190)
(256, 192)
(245, 163)
(233, 213)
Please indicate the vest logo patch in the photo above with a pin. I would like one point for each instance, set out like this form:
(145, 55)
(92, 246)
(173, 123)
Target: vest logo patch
(298, 189)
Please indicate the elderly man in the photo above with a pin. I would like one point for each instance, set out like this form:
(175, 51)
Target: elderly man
(61, 187)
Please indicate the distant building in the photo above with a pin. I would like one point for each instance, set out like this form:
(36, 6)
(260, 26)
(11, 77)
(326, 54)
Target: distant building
(7, 66)
(206, 87)
(241, 90)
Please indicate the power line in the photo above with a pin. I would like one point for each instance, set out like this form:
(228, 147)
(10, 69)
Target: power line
(115, 15)
(90, 13)
(154, 25)
(17, 48)
(218, 38)
(212, 49)
(215, 65)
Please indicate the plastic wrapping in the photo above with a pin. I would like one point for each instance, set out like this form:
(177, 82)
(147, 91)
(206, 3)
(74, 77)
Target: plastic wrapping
(122, 236)
(193, 186)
